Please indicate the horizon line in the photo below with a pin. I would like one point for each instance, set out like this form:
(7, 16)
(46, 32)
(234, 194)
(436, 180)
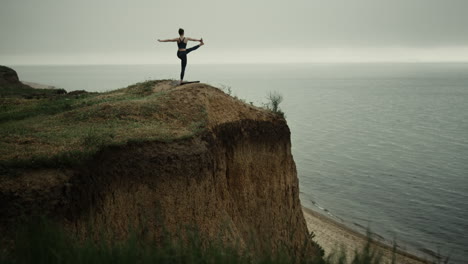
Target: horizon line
(241, 63)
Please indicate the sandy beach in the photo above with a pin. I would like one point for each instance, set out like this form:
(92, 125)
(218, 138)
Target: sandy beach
(333, 236)
(39, 85)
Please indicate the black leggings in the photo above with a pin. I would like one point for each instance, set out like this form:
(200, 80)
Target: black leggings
(183, 59)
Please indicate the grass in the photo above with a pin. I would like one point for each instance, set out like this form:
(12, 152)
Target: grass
(66, 130)
(42, 241)
(274, 100)
(17, 109)
(24, 91)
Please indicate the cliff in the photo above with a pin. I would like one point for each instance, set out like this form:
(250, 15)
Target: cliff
(8, 76)
(11, 86)
(156, 156)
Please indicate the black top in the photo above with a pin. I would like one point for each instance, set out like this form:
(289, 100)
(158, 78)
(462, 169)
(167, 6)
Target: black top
(181, 44)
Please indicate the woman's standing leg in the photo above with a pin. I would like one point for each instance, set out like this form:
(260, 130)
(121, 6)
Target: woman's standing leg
(183, 63)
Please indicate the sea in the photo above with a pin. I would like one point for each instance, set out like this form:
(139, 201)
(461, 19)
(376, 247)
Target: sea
(379, 146)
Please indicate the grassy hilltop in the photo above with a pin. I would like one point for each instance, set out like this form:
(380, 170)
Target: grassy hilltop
(65, 129)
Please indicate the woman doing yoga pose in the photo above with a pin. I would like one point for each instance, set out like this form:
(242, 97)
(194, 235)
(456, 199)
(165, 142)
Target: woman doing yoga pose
(182, 51)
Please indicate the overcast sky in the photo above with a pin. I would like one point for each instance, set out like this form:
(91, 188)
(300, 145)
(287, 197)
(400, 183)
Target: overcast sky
(117, 31)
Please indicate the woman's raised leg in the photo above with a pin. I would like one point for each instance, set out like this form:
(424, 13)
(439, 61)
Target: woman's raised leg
(191, 49)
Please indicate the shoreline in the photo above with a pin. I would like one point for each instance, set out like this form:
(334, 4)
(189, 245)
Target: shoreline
(332, 236)
(38, 85)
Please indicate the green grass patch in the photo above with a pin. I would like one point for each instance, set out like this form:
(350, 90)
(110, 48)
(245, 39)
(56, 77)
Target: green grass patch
(67, 130)
(24, 91)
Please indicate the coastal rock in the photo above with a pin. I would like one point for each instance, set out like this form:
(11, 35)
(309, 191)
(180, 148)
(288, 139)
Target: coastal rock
(11, 86)
(8, 76)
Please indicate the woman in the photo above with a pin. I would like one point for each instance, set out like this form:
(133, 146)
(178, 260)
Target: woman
(182, 52)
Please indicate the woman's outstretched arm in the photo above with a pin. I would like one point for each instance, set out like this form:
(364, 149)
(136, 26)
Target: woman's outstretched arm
(192, 39)
(168, 40)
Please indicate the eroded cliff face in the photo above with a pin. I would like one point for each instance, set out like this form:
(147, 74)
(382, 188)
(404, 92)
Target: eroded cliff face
(235, 181)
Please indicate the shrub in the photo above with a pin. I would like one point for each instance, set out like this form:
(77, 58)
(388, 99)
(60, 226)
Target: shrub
(274, 100)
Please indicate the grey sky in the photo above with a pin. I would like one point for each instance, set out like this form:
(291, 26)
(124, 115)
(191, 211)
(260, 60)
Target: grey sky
(117, 31)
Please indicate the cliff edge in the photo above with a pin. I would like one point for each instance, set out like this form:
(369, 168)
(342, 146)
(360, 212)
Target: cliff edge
(11, 86)
(156, 156)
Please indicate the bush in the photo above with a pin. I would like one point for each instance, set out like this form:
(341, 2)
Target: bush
(274, 100)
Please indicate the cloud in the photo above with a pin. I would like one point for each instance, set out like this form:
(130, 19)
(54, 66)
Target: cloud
(297, 30)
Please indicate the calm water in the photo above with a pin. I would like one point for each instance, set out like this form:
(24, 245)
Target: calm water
(378, 145)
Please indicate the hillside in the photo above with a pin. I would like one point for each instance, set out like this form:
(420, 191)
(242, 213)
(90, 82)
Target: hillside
(157, 156)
